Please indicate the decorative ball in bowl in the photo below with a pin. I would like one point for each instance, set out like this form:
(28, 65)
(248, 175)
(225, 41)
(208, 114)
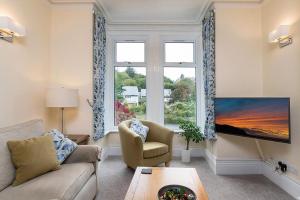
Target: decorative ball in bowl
(176, 192)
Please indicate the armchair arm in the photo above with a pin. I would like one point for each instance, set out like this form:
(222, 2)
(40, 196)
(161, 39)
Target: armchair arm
(132, 145)
(85, 153)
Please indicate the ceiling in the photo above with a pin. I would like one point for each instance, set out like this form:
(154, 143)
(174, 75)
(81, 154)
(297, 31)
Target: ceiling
(153, 11)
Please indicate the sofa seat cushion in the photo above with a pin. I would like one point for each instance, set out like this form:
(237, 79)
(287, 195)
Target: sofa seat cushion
(63, 184)
(154, 149)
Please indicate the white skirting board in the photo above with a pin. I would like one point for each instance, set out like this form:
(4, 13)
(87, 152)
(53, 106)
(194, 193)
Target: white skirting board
(111, 151)
(286, 183)
(211, 160)
(195, 152)
(239, 167)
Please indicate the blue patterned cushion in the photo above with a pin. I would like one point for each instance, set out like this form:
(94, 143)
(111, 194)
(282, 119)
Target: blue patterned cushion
(137, 127)
(64, 146)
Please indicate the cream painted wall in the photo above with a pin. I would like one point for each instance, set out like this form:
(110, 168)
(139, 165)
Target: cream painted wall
(238, 69)
(71, 61)
(281, 74)
(24, 64)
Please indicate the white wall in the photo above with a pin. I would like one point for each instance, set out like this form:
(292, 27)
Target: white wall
(248, 65)
(24, 64)
(281, 75)
(71, 62)
(238, 69)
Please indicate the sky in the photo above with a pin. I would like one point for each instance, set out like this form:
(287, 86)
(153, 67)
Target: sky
(267, 114)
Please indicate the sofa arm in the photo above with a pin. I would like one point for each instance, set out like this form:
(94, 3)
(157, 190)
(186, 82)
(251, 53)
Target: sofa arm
(85, 153)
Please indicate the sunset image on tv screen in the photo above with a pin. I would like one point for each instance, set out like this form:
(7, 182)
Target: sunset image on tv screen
(266, 118)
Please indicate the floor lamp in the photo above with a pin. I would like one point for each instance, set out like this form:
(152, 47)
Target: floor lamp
(62, 98)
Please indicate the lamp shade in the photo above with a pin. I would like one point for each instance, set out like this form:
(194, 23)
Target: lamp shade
(280, 33)
(9, 26)
(62, 97)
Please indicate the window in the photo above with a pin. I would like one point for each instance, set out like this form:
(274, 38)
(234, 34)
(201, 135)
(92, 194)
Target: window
(152, 78)
(179, 84)
(130, 81)
(179, 52)
(130, 52)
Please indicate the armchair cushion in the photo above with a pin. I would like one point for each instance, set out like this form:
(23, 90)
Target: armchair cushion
(154, 149)
(137, 127)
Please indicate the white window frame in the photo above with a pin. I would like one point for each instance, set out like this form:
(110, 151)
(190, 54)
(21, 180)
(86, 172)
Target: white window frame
(154, 63)
(110, 75)
(131, 64)
(195, 64)
(178, 64)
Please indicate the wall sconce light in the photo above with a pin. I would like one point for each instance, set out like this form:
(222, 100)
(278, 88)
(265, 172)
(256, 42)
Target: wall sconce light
(10, 29)
(281, 36)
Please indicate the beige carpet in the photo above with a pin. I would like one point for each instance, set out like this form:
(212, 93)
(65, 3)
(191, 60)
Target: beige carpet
(115, 178)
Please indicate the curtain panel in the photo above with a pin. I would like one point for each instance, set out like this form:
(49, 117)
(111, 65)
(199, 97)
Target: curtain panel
(99, 69)
(208, 37)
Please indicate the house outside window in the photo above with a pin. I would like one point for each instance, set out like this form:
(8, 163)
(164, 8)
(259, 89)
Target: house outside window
(179, 83)
(130, 81)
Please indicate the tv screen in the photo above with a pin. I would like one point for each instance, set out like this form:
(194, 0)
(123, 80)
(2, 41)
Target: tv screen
(263, 118)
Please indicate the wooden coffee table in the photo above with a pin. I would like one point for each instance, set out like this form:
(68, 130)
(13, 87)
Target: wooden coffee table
(146, 186)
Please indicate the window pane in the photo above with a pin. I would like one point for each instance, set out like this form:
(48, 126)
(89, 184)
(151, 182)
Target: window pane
(130, 93)
(130, 52)
(179, 52)
(179, 95)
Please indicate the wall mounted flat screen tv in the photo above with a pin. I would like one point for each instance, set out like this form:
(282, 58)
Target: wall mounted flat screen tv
(262, 118)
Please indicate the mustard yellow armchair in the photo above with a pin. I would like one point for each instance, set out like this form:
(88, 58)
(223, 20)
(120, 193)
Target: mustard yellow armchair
(156, 150)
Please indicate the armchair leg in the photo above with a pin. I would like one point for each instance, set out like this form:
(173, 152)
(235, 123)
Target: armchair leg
(167, 164)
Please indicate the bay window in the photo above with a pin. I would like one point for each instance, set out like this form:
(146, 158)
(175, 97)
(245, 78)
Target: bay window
(150, 79)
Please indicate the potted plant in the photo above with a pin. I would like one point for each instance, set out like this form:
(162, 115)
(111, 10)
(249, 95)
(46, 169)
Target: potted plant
(191, 132)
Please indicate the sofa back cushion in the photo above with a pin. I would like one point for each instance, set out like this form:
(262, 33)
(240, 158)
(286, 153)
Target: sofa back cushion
(21, 131)
(32, 157)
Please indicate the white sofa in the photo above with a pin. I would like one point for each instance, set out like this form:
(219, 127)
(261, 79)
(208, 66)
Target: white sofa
(76, 180)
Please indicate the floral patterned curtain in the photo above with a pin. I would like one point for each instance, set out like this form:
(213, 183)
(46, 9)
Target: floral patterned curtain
(208, 37)
(99, 65)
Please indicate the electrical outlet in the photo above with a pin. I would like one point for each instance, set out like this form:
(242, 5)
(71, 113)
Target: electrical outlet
(274, 163)
(290, 168)
(282, 166)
